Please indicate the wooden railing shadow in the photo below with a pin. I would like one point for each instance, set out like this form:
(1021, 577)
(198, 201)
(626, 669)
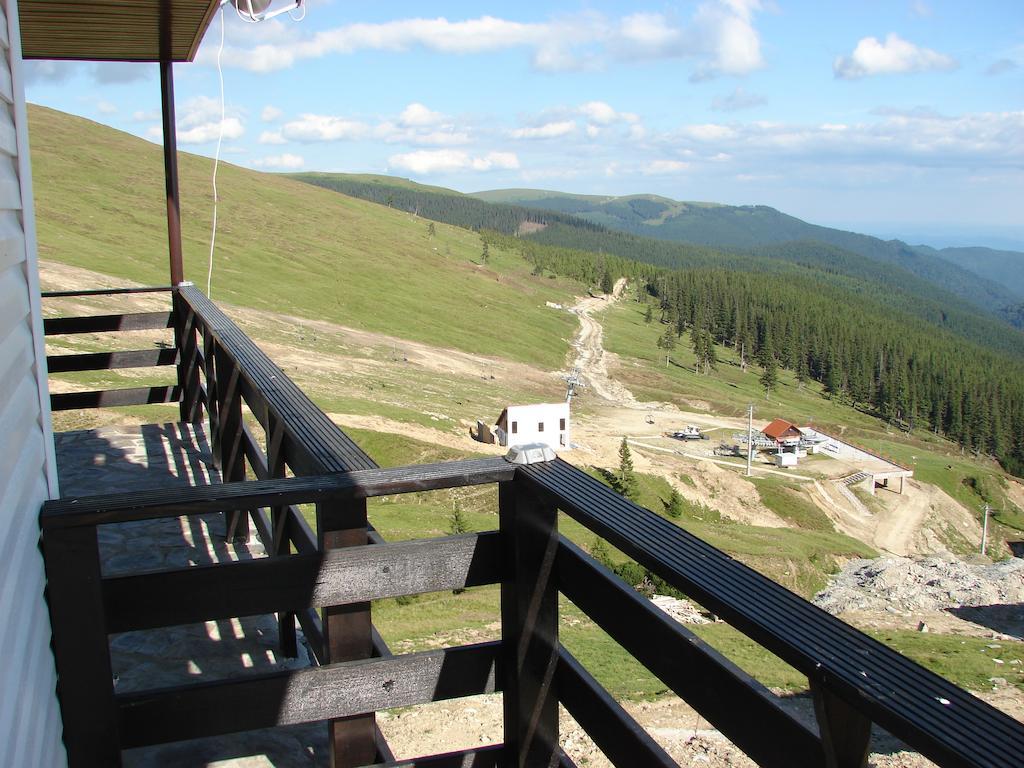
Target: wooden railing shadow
(327, 578)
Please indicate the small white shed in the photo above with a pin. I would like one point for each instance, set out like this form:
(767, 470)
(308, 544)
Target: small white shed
(546, 423)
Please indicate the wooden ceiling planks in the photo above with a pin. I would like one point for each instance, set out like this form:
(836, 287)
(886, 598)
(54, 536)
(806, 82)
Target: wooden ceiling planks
(112, 30)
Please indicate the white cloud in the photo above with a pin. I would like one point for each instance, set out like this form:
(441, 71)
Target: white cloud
(417, 115)
(284, 162)
(199, 122)
(270, 113)
(603, 113)
(545, 131)
(894, 56)
(272, 137)
(146, 116)
(106, 108)
(201, 134)
(593, 131)
(709, 132)
(426, 162)
(739, 99)
(664, 167)
(446, 135)
(311, 128)
(720, 37)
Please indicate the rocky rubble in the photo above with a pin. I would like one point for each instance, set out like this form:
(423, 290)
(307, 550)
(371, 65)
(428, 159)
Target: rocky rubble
(930, 584)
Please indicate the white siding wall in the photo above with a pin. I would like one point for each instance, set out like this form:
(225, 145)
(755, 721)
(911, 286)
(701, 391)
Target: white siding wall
(30, 727)
(528, 419)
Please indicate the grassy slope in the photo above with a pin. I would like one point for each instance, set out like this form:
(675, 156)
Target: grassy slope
(286, 246)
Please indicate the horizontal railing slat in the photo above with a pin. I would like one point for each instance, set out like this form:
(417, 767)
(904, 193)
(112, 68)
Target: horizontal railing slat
(903, 697)
(115, 398)
(731, 700)
(145, 505)
(137, 321)
(308, 695)
(291, 583)
(622, 740)
(106, 361)
(106, 291)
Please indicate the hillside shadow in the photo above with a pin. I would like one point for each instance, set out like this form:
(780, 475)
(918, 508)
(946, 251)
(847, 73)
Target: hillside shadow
(1006, 618)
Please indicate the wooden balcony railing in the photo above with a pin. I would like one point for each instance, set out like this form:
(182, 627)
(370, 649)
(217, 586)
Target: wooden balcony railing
(855, 681)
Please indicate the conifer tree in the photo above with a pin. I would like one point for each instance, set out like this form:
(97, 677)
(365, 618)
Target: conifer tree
(626, 479)
(667, 341)
(649, 315)
(769, 375)
(674, 505)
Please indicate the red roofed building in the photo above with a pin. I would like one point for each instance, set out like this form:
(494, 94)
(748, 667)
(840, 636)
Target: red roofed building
(782, 432)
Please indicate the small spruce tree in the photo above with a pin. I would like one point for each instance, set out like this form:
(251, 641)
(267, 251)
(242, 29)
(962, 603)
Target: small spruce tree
(599, 551)
(485, 255)
(649, 314)
(769, 376)
(457, 524)
(667, 341)
(674, 505)
(626, 478)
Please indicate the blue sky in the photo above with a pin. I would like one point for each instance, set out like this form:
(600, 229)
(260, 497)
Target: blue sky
(896, 117)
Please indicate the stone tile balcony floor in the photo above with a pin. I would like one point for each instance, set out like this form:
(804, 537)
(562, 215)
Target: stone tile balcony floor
(119, 459)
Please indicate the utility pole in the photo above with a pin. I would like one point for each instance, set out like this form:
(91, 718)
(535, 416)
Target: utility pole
(750, 436)
(984, 530)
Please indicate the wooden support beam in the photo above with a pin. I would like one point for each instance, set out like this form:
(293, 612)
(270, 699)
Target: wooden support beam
(347, 633)
(344, 690)
(232, 453)
(280, 544)
(188, 360)
(85, 684)
(529, 626)
(170, 134)
(845, 732)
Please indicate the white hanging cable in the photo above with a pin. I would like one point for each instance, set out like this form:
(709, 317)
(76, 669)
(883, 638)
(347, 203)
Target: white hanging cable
(216, 157)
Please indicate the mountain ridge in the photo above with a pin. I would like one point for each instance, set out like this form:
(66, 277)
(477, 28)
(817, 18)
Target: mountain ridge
(754, 226)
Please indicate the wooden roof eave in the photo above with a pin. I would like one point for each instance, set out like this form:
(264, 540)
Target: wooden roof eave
(114, 30)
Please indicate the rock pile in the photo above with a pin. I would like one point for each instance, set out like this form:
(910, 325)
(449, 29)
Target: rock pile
(682, 611)
(931, 584)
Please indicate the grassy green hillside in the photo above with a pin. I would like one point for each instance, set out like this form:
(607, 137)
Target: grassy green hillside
(286, 246)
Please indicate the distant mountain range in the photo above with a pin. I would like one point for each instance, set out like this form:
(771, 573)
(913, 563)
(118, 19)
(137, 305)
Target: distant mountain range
(989, 279)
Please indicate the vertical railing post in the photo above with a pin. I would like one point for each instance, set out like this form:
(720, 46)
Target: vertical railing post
(279, 523)
(229, 406)
(188, 358)
(212, 394)
(529, 626)
(82, 653)
(347, 633)
(845, 731)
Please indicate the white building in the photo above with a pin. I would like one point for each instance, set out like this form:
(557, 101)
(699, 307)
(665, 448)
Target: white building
(546, 423)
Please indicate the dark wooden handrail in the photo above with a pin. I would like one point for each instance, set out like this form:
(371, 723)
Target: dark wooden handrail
(939, 719)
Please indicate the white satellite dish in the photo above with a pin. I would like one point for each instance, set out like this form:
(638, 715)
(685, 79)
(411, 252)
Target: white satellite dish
(253, 11)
